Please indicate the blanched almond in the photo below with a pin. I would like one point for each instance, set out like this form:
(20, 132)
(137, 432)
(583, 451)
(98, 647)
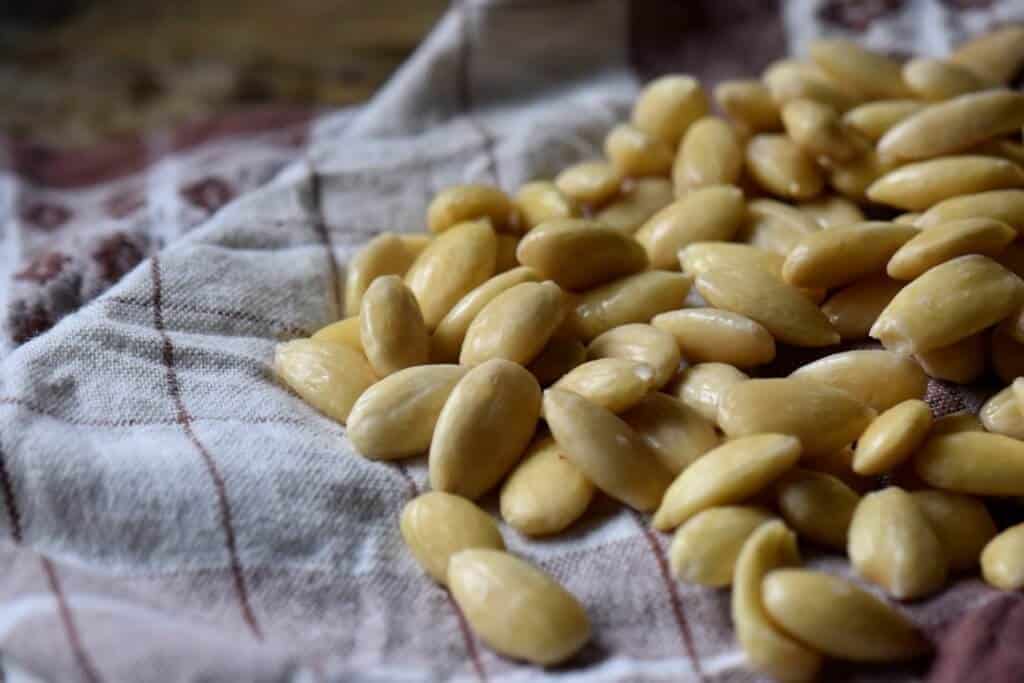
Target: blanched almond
(342, 332)
(668, 105)
(855, 308)
(561, 354)
(579, 254)
(824, 418)
(725, 475)
(447, 339)
(590, 182)
(783, 310)
(864, 71)
(674, 433)
(702, 386)
(789, 80)
(455, 262)
(644, 198)
(395, 417)
(782, 168)
(545, 493)
(1000, 205)
(704, 549)
(873, 119)
(641, 343)
(816, 505)
(636, 153)
(707, 214)
(838, 618)
(516, 608)
(892, 437)
(750, 103)
(391, 327)
(606, 450)
(1002, 560)
(935, 79)
(979, 463)
(997, 55)
(714, 335)
(962, 362)
(880, 379)
(385, 254)
(832, 258)
(461, 203)
(946, 241)
(767, 647)
(632, 299)
(893, 545)
(948, 303)
(775, 227)
(613, 383)
(921, 185)
(1002, 414)
(541, 201)
(962, 524)
(437, 525)
(497, 397)
(853, 178)
(328, 376)
(833, 211)
(818, 130)
(710, 154)
(515, 325)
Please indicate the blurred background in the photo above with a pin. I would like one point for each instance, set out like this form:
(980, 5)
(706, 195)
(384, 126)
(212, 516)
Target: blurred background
(74, 73)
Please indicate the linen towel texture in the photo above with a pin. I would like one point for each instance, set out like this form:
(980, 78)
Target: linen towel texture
(170, 512)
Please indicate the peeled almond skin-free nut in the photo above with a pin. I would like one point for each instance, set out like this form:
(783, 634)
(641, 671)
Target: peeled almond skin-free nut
(455, 262)
(962, 362)
(779, 166)
(962, 524)
(855, 308)
(579, 254)
(1002, 560)
(545, 493)
(1001, 205)
(767, 647)
(710, 154)
(864, 71)
(839, 464)
(632, 299)
(837, 257)
(817, 505)
(385, 254)
(893, 545)
(920, 186)
(892, 437)
(1002, 414)
(946, 241)
(935, 79)
(613, 383)
(789, 80)
(558, 357)
(705, 548)
(997, 55)
(395, 417)
(824, 418)
(391, 327)
(701, 257)
(328, 376)
(447, 339)
(635, 153)
(606, 450)
(838, 618)
(873, 119)
(541, 201)
(729, 474)
(461, 203)
(644, 198)
(702, 386)
(833, 212)
(707, 214)
(956, 422)
(497, 397)
(516, 608)
(818, 130)
(776, 227)
(668, 105)
(515, 325)
(1007, 354)
(714, 335)
(878, 378)
(953, 125)
(590, 182)
(853, 178)
(948, 303)
(750, 103)
(979, 463)
(674, 433)
(641, 343)
(437, 525)
(342, 332)
(783, 310)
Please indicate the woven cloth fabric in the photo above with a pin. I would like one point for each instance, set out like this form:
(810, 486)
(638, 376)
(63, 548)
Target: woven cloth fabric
(170, 512)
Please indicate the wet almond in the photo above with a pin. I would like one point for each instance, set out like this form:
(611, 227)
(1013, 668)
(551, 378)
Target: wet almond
(632, 299)
(461, 203)
(729, 474)
(497, 397)
(645, 344)
(636, 153)
(704, 549)
(707, 214)
(391, 327)
(1001, 205)
(879, 379)
(702, 386)
(668, 105)
(947, 241)
(837, 257)
(892, 437)
(385, 254)
(871, 73)
(973, 462)
(713, 335)
(673, 432)
(328, 376)
(579, 254)
(515, 325)
(921, 185)
(613, 383)
(606, 450)
(545, 493)
(710, 154)
(437, 525)
(592, 183)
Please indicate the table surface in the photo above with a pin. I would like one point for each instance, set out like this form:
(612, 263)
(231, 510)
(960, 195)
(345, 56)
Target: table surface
(118, 67)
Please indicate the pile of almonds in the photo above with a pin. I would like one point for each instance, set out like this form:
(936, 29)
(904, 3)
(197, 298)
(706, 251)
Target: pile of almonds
(593, 333)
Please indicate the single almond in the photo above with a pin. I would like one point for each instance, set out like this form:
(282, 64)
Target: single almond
(613, 383)
(580, 254)
(702, 386)
(344, 331)
(837, 257)
(864, 71)
(637, 203)
(816, 505)
(326, 375)
(962, 524)
(541, 201)
(874, 119)
(1002, 414)
(996, 55)
(878, 378)
(545, 493)
(515, 325)
(391, 327)
(461, 203)
(705, 214)
(892, 437)
(782, 168)
(749, 103)
(710, 154)
(919, 186)
(854, 309)
(947, 241)
(1002, 560)
(636, 153)
(936, 79)
(591, 183)
(833, 211)
(704, 549)
(1000, 205)
(673, 432)
(714, 335)
(818, 130)
(668, 105)
(385, 254)
(973, 462)
(632, 299)
(962, 362)
(645, 344)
